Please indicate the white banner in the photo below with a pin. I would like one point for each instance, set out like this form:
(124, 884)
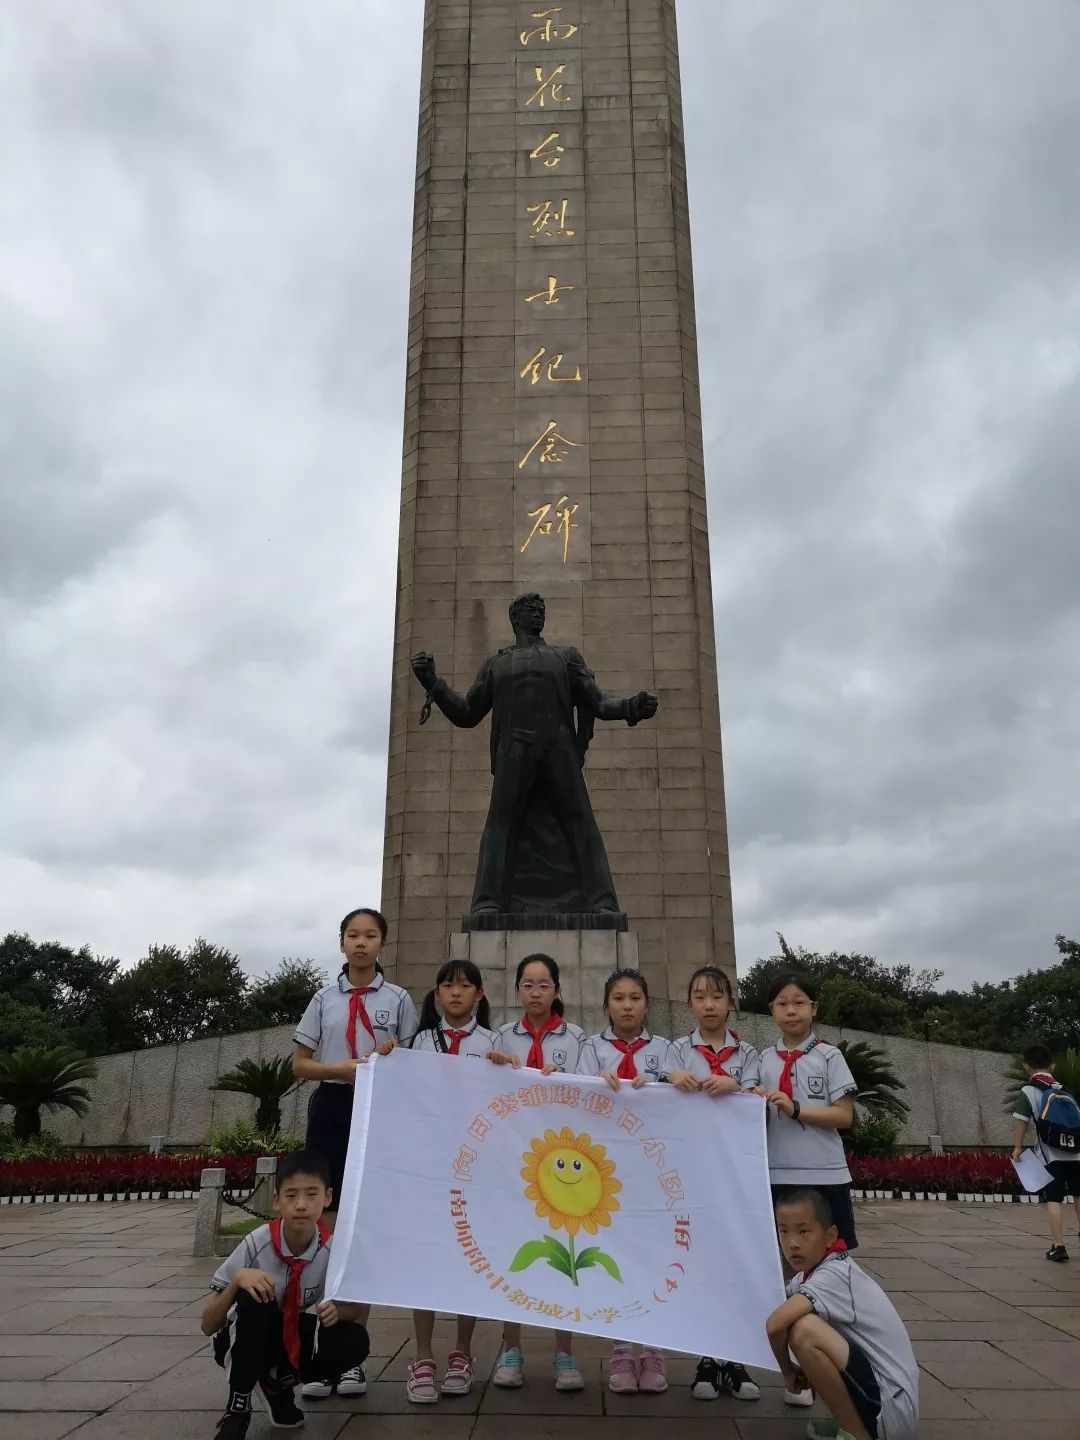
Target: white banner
(479, 1190)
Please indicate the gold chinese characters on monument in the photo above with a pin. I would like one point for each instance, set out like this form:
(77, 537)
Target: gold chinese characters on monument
(565, 511)
(549, 152)
(553, 447)
(549, 220)
(541, 367)
(551, 30)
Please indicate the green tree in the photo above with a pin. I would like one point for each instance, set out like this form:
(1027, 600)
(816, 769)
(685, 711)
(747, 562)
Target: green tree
(178, 995)
(281, 997)
(23, 1024)
(861, 987)
(855, 1005)
(878, 1083)
(32, 1080)
(69, 988)
(269, 1081)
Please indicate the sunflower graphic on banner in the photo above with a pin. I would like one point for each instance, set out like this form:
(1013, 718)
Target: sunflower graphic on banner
(552, 1200)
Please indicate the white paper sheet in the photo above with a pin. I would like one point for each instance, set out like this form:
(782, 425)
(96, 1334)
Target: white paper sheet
(1031, 1171)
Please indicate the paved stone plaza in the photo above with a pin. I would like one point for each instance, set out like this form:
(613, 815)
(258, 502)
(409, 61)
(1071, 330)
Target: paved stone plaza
(99, 1338)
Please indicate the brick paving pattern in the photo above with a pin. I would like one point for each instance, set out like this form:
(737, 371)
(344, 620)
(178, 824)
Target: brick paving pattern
(99, 1337)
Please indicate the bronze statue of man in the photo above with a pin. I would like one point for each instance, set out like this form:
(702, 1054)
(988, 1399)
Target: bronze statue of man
(541, 850)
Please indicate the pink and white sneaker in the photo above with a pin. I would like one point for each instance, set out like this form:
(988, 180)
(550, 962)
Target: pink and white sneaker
(420, 1387)
(652, 1372)
(623, 1371)
(459, 1376)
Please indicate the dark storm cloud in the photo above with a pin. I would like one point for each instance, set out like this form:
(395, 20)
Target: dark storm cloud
(202, 327)
(891, 346)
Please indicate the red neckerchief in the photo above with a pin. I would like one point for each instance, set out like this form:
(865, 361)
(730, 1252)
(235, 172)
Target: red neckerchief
(455, 1037)
(357, 1009)
(290, 1318)
(716, 1058)
(1042, 1077)
(536, 1049)
(789, 1057)
(838, 1247)
(627, 1069)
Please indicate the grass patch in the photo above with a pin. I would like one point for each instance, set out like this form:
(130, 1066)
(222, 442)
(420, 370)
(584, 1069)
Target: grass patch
(242, 1227)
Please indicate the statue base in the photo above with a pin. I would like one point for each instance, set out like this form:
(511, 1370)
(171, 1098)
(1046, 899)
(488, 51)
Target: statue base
(585, 959)
(590, 920)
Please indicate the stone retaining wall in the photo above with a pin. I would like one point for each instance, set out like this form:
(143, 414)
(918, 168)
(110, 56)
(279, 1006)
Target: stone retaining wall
(956, 1093)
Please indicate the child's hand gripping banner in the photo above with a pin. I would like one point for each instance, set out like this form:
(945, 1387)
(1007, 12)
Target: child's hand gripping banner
(644, 1216)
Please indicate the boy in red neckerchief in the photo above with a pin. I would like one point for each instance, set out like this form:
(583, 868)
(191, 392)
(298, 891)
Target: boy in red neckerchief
(256, 1314)
(848, 1342)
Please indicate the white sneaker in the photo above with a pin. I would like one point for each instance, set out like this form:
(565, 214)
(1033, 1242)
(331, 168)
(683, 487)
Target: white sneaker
(317, 1390)
(803, 1398)
(508, 1373)
(353, 1382)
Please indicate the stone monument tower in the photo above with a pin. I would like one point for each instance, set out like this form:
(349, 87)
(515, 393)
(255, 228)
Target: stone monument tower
(553, 443)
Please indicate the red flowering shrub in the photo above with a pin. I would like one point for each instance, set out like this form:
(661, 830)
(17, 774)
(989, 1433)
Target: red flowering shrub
(959, 1172)
(120, 1174)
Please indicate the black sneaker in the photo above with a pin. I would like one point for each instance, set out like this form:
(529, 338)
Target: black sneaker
(1058, 1254)
(233, 1425)
(737, 1382)
(708, 1382)
(285, 1414)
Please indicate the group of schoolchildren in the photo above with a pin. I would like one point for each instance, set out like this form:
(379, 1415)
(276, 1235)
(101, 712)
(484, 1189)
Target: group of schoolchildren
(836, 1336)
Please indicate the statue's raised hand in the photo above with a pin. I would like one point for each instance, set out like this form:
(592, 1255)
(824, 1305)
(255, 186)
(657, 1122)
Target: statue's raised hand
(423, 667)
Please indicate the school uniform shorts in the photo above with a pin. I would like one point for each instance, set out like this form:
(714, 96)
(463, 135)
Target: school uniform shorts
(250, 1347)
(329, 1120)
(838, 1198)
(863, 1388)
(1065, 1181)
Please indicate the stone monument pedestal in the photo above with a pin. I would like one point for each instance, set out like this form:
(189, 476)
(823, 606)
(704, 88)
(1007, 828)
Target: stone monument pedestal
(585, 959)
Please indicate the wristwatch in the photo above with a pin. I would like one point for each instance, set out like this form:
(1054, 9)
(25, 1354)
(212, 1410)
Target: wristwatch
(797, 1110)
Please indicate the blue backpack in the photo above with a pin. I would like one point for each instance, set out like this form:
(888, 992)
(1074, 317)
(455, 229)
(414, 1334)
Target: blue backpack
(1058, 1120)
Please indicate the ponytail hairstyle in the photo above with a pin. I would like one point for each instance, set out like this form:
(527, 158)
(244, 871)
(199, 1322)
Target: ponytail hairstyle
(625, 974)
(381, 926)
(720, 979)
(557, 1006)
(430, 1018)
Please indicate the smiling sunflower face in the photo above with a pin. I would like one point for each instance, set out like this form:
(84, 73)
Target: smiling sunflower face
(570, 1181)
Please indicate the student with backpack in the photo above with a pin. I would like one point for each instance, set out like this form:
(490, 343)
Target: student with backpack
(1056, 1116)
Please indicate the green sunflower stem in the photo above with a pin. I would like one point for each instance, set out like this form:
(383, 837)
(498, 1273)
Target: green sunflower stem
(573, 1260)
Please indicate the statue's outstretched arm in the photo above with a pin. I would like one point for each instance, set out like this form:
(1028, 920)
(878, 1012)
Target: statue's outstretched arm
(587, 693)
(465, 711)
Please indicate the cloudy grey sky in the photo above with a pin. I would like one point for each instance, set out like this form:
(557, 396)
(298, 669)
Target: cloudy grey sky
(205, 226)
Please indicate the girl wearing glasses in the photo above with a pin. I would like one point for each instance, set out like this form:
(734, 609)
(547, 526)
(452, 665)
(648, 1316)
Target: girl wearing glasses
(540, 1039)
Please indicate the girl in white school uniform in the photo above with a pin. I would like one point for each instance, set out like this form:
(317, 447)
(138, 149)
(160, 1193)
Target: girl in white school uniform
(626, 1051)
(541, 1038)
(359, 1015)
(713, 1060)
(811, 1092)
(454, 1020)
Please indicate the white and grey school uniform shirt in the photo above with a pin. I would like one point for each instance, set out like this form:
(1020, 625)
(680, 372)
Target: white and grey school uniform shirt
(599, 1054)
(801, 1154)
(561, 1046)
(1029, 1106)
(324, 1023)
(744, 1066)
(856, 1306)
(256, 1252)
(477, 1043)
